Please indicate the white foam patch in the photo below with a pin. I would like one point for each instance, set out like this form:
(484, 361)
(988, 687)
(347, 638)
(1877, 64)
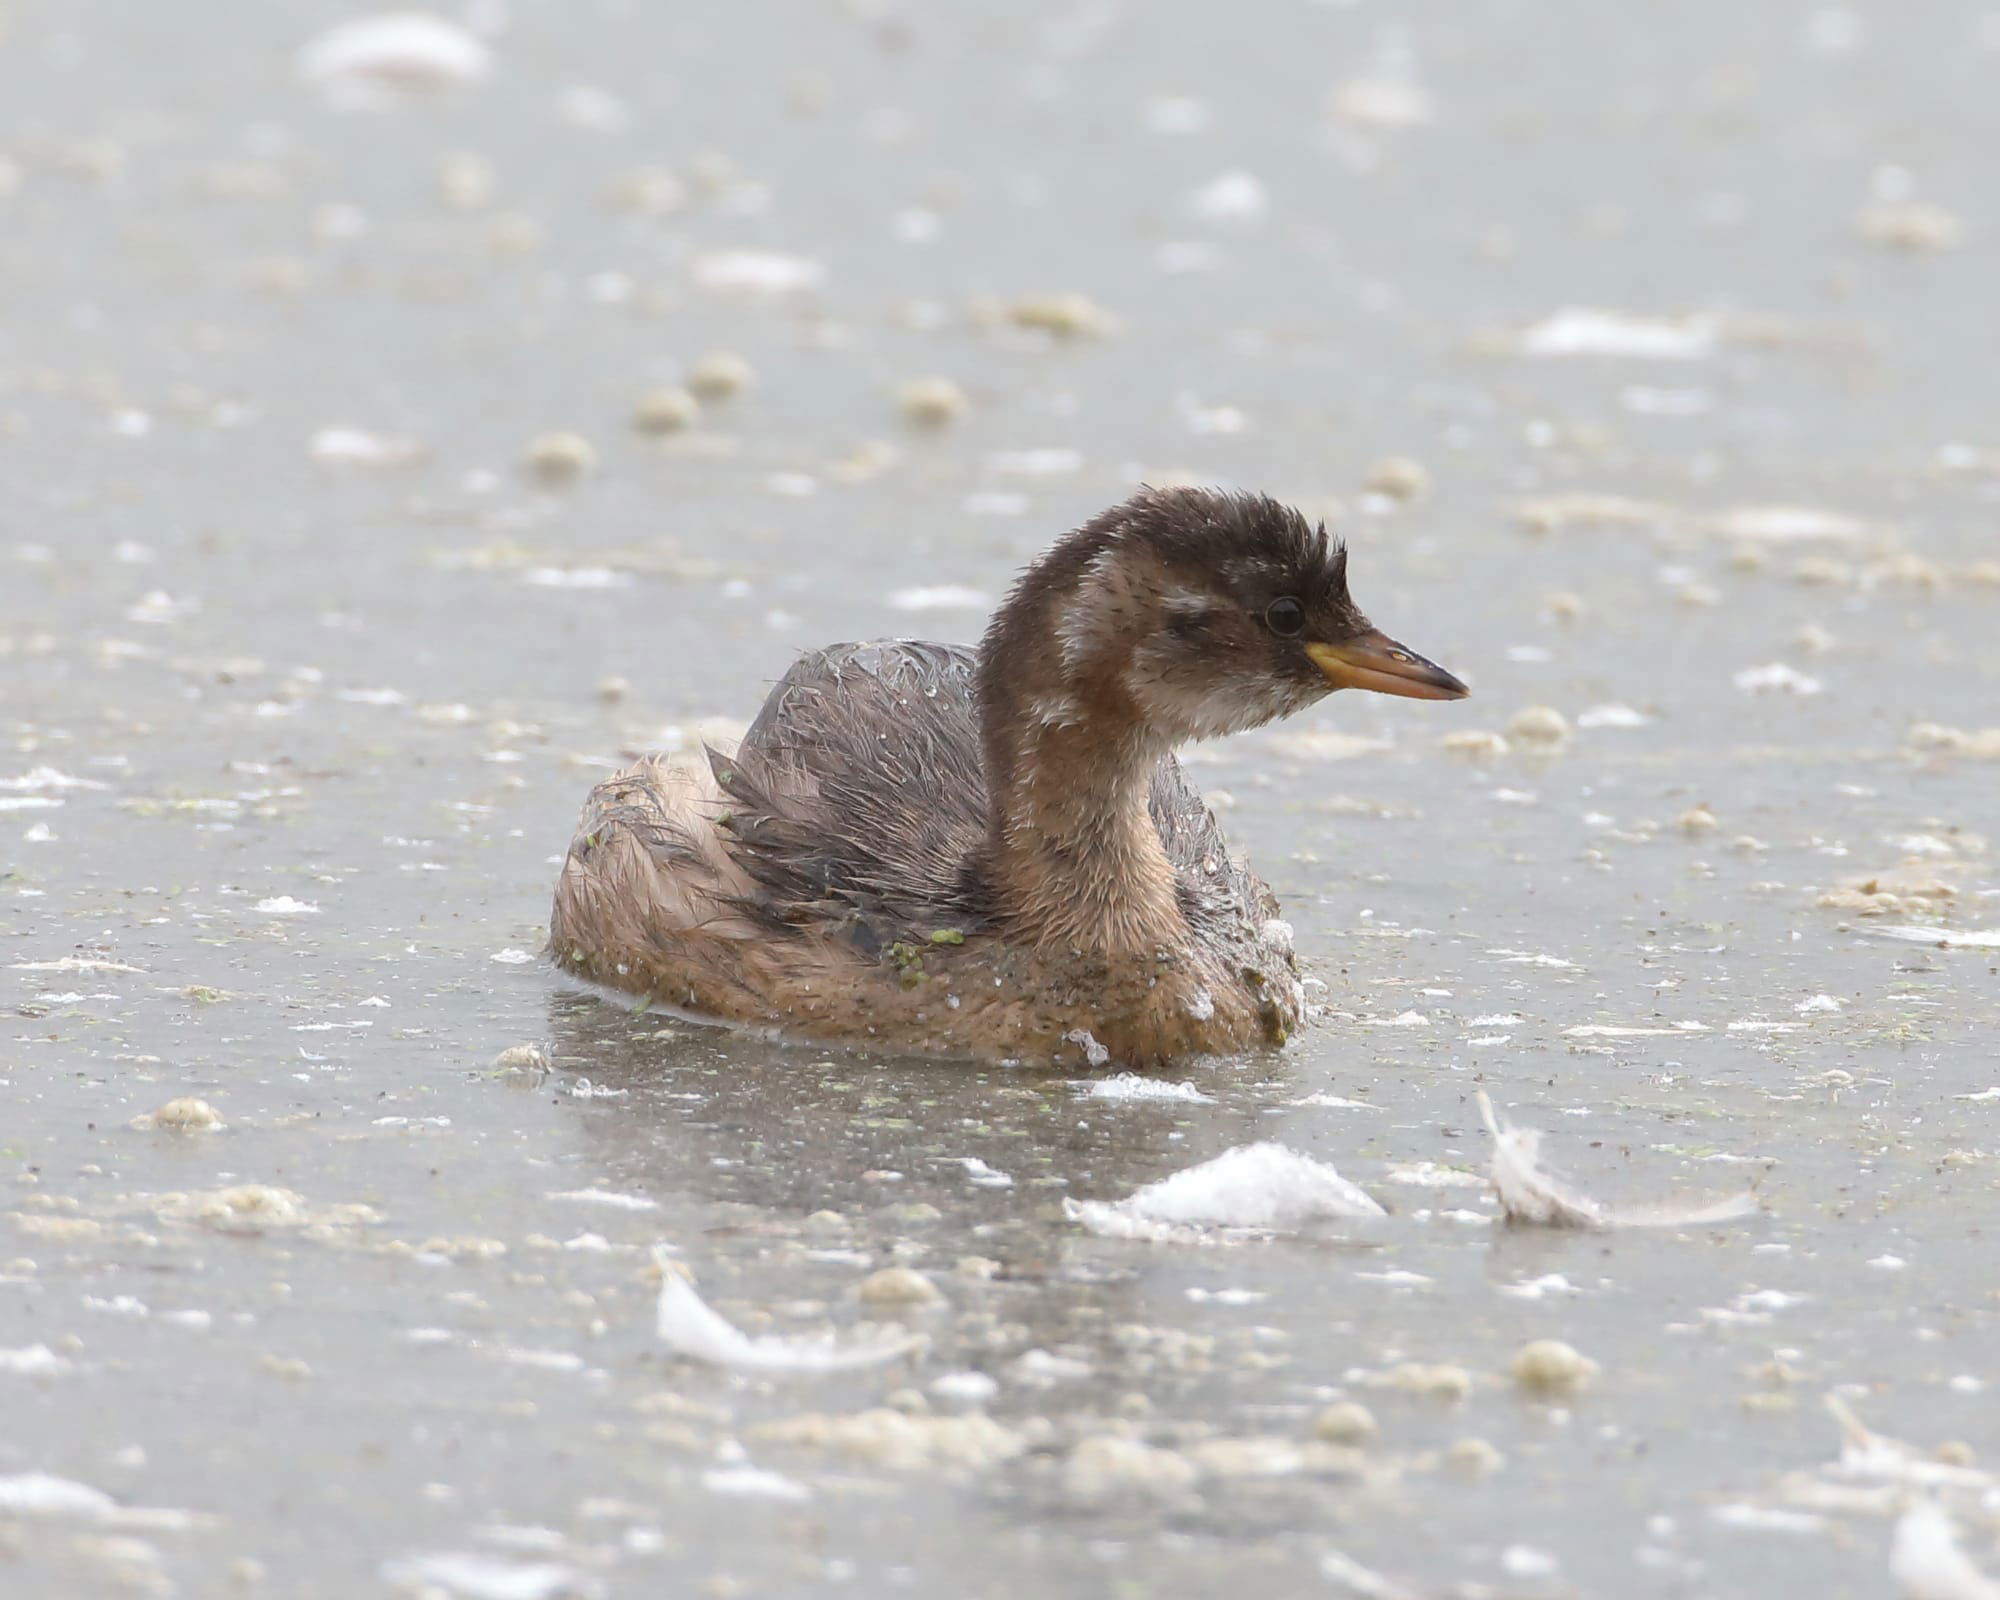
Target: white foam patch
(1255, 1188)
(283, 905)
(755, 272)
(940, 597)
(1133, 1086)
(981, 1174)
(1588, 331)
(34, 1361)
(607, 1197)
(754, 1483)
(367, 63)
(475, 1577)
(1777, 677)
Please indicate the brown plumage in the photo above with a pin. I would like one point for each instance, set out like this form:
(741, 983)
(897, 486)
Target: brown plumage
(994, 853)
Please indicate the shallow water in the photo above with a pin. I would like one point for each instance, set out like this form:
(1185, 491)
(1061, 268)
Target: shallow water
(295, 745)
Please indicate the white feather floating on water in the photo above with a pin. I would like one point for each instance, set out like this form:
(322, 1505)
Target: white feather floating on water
(1927, 1563)
(1878, 1458)
(1529, 1193)
(689, 1326)
(1255, 1188)
(42, 1496)
(1346, 1573)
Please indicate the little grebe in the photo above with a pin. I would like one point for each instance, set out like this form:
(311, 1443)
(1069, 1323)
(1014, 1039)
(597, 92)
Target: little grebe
(994, 852)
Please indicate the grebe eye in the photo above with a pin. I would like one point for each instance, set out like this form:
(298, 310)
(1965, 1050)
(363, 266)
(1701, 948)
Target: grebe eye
(1285, 617)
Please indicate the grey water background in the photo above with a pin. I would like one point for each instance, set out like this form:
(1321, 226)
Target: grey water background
(280, 682)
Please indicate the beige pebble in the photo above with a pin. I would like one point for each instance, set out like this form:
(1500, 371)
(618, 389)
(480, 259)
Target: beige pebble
(666, 410)
(1823, 572)
(1956, 1453)
(1696, 820)
(649, 191)
(522, 1058)
(931, 402)
(1768, 1402)
(1476, 744)
(1432, 1380)
(1698, 596)
(1909, 569)
(561, 457)
(1548, 1366)
(466, 181)
(1473, 1457)
(721, 375)
(1398, 478)
(1986, 574)
(613, 689)
(972, 1441)
(515, 233)
(977, 1267)
(1346, 1422)
(1909, 225)
(187, 1115)
(1565, 606)
(899, 1286)
(1104, 1465)
(1539, 725)
(1069, 316)
(1813, 640)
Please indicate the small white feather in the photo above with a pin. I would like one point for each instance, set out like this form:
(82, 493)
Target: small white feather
(1529, 1193)
(689, 1326)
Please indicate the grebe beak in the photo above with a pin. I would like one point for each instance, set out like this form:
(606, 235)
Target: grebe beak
(1375, 661)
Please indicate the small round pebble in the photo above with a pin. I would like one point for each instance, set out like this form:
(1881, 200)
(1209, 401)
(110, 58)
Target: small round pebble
(898, 1286)
(1565, 606)
(1068, 316)
(561, 457)
(187, 1114)
(522, 1058)
(721, 375)
(667, 410)
(1397, 478)
(1105, 1465)
(1473, 1457)
(931, 402)
(1346, 1422)
(613, 689)
(1696, 820)
(1442, 1380)
(1548, 1366)
(1539, 725)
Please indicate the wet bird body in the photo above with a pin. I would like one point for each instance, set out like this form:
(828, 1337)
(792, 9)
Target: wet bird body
(994, 853)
